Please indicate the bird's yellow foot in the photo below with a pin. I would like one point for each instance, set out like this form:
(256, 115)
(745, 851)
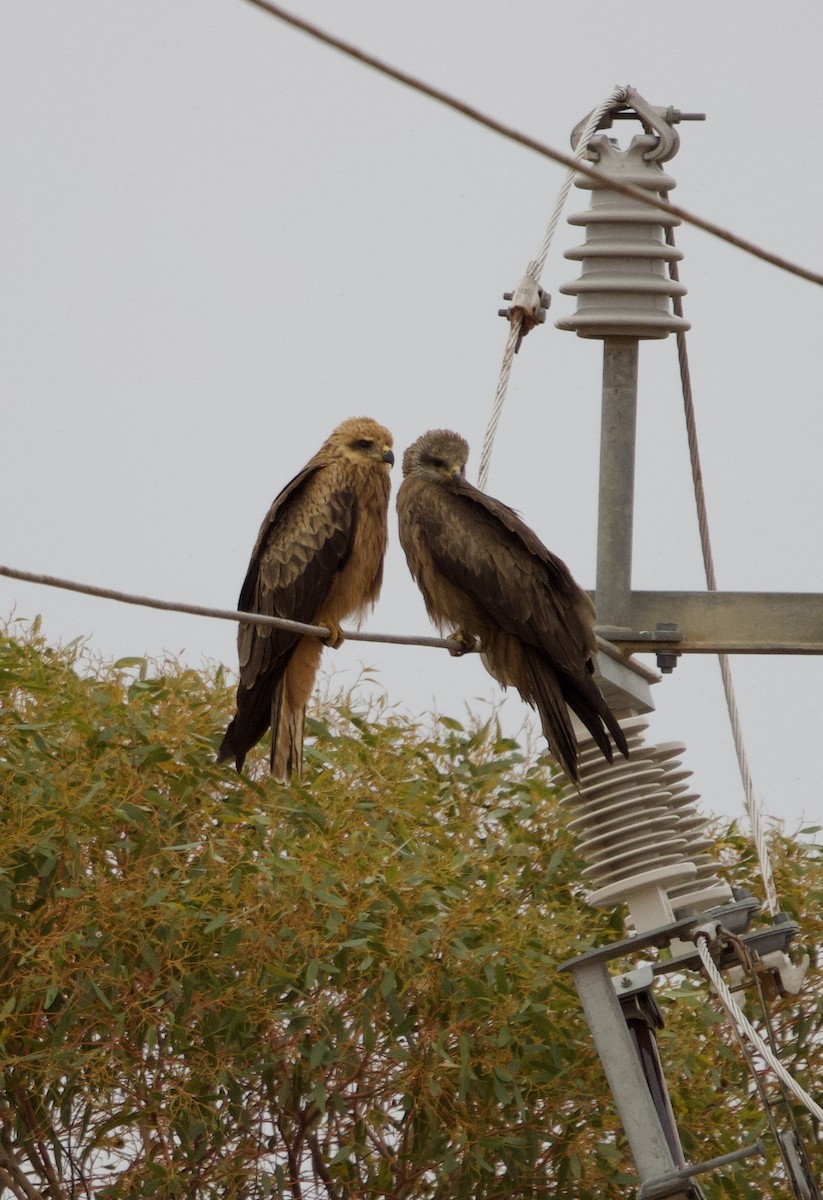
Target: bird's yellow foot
(335, 638)
(466, 640)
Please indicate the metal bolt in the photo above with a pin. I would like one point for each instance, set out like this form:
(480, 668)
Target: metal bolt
(667, 659)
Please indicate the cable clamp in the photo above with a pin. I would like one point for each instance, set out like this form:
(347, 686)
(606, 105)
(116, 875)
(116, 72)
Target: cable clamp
(529, 303)
(709, 933)
(778, 974)
(788, 976)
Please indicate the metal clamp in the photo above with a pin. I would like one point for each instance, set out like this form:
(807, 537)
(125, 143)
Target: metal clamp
(528, 302)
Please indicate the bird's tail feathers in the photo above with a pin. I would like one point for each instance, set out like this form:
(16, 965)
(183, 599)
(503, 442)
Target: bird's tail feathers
(587, 702)
(247, 726)
(287, 725)
(614, 729)
(228, 747)
(554, 717)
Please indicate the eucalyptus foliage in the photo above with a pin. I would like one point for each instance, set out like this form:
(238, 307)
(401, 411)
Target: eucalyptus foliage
(214, 986)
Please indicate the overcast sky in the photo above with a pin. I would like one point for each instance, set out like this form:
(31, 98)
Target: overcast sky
(219, 238)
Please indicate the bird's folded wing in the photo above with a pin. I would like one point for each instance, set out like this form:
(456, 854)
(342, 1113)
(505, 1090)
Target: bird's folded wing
(305, 540)
(482, 547)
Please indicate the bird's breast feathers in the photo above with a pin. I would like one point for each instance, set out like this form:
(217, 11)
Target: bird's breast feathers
(357, 584)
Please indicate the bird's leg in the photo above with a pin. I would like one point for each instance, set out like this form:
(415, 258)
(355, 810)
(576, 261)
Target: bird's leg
(467, 642)
(335, 637)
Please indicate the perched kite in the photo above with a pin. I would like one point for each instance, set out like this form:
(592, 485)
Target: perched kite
(318, 559)
(485, 575)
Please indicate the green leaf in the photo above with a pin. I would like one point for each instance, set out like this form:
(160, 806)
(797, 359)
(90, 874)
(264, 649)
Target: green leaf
(318, 1053)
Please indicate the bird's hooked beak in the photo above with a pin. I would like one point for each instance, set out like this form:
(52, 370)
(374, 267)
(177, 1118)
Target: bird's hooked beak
(388, 455)
(456, 473)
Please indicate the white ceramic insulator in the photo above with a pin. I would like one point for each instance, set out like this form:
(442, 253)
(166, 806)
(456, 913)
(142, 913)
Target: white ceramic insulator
(625, 287)
(640, 833)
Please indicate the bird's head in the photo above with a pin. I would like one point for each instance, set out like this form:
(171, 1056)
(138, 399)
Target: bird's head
(362, 438)
(439, 455)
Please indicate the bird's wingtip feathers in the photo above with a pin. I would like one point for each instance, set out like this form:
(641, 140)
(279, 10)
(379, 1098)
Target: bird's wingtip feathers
(228, 749)
(554, 716)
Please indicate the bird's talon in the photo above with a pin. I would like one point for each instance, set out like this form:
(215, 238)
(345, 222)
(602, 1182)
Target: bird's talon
(335, 637)
(467, 643)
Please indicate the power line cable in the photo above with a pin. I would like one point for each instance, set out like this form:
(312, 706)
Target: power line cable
(530, 143)
(228, 614)
(231, 614)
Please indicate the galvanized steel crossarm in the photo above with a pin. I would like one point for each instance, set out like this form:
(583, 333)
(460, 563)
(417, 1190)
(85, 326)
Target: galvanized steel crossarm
(721, 622)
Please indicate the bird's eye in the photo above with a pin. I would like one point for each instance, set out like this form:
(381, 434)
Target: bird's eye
(363, 444)
(438, 463)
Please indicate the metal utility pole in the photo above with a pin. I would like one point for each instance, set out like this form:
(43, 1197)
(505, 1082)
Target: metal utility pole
(615, 518)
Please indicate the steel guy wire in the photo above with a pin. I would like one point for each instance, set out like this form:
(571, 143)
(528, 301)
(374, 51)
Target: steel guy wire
(753, 808)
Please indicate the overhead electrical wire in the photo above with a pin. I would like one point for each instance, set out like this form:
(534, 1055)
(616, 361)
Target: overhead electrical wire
(530, 143)
(231, 614)
(227, 614)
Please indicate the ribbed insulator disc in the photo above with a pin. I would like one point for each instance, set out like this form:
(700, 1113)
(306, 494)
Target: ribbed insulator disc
(627, 867)
(637, 823)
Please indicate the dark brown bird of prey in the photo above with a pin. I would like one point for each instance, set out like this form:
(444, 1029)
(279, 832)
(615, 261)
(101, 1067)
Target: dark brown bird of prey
(489, 579)
(318, 559)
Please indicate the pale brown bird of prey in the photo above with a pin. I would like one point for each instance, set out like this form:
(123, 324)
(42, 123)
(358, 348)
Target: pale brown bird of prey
(318, 559)
(488, 578)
